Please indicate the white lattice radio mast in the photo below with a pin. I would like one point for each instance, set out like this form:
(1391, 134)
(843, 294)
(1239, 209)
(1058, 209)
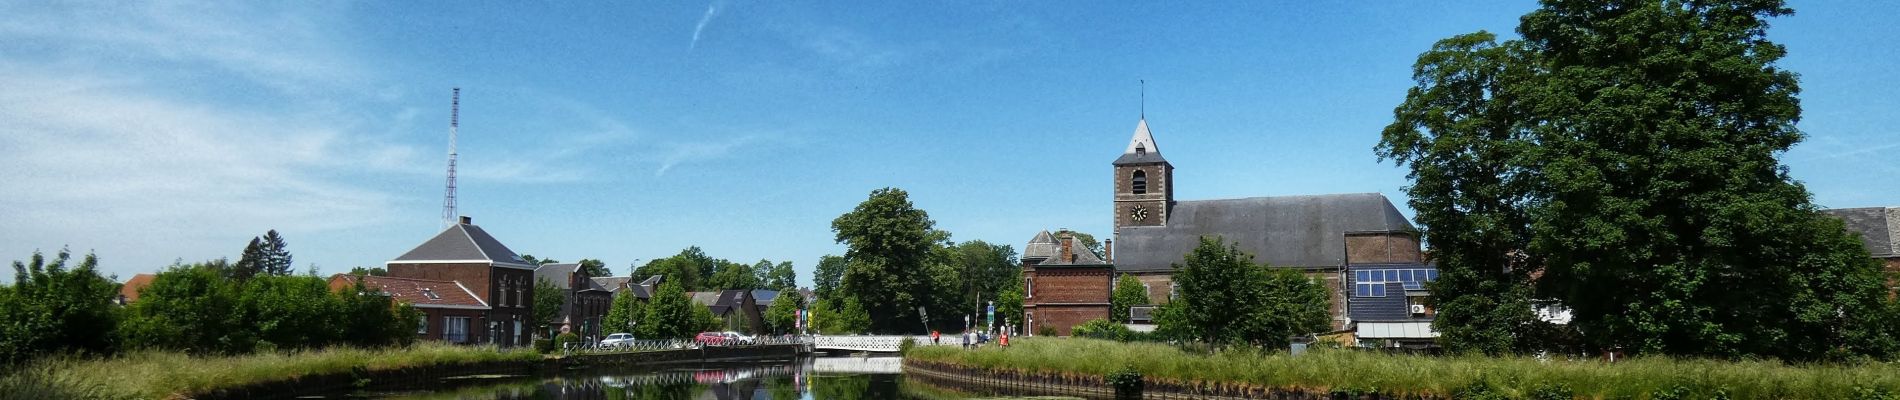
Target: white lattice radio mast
(448, 197)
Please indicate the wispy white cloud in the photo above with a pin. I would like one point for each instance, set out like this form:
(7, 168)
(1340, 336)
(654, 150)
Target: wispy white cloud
(694, 152)
(712, 10)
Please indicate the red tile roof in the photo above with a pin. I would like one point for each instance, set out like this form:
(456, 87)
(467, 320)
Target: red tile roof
(131, 288)
(422, 293)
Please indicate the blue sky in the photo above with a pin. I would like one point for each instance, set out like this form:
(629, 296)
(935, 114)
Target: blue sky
(153, 132)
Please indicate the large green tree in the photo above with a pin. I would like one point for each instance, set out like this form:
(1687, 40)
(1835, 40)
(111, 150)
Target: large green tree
(731, 275)
(782, 315)
(1638, 141)
(888, 241)
(670, 314)
(1463, 131)
(548, 300)
(690, 268)
(53, 309)
(291, 312)
(779, 276)
(265, 255)
(624, 313)
(1129, 292)
(827, 277)
(1227, 299)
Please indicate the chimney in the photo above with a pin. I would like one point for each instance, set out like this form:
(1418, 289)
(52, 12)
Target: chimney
(466, 220)
(1068, 247)
(1108, 248)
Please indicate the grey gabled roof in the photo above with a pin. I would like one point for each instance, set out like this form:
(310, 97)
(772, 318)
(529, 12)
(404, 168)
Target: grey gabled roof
(1879, 228)
(1083, 258)
(1286, 231)
(1040, 247)
(559, 274)
(464, 242)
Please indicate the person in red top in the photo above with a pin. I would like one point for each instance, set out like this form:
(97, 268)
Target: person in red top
(935, 338)
(1005, 339)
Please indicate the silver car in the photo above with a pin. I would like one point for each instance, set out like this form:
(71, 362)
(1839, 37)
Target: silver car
(617, 340)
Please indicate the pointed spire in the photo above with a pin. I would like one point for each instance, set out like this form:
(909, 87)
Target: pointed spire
(1141, 148)
(1143, 141)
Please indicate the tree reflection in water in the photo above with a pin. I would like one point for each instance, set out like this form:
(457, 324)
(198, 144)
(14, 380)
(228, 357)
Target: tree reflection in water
(787, 380)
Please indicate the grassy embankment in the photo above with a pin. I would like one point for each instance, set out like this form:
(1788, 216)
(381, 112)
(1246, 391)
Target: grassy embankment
(159, 375)
(1344, 371)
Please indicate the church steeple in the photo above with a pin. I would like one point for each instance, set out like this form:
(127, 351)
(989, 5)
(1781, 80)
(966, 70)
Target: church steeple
(1144, 182)
(1141, 147)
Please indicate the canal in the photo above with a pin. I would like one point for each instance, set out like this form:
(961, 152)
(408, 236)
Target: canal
(811, 378)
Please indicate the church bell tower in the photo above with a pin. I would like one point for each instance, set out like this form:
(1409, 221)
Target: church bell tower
(1144, 182)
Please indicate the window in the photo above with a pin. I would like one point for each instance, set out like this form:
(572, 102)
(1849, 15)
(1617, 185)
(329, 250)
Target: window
(455, 329)
(1140, 182)
(520, 294)
(1172, 289)
(517, 332)
(430, 293)
(1029, 287)
(422, 325)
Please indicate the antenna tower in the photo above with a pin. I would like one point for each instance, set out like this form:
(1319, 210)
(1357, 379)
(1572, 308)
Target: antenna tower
(448, 197)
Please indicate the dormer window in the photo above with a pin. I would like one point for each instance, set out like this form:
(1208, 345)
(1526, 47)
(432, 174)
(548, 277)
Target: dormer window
(1141, 149)
(1140, 181)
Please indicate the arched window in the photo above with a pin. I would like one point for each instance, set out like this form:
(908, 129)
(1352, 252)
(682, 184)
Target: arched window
(1140, 183)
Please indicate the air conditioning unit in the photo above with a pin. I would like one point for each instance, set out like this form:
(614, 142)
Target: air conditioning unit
(1418, 308)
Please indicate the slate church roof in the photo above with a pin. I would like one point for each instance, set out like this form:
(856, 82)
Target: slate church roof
(1040, 247)
(1879, 228)
(464, 242)
(1285, 231)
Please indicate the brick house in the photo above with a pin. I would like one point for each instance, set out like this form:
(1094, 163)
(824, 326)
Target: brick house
(1329, 237)
(467, 255)
(450, 310)
(584, 301)
(1064, 285)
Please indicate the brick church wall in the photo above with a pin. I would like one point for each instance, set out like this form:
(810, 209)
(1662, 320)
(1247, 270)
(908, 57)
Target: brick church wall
(1382, 248)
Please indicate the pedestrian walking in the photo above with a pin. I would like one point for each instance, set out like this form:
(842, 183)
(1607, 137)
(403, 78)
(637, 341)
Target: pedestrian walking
(934, 338)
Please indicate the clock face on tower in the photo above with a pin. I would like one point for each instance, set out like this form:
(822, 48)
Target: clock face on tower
(1138, 213)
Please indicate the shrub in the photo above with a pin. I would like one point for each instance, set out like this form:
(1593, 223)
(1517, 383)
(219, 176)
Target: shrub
(905, 346)
(1045, 330)
(561, 340)
(1127, 382)
(1102, 329)
(543, 346)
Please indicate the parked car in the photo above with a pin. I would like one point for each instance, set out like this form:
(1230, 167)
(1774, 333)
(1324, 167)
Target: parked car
(735, 338)
(710, 339)
(617, 340)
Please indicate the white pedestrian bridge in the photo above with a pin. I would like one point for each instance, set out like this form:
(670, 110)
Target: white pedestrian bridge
(875, 344)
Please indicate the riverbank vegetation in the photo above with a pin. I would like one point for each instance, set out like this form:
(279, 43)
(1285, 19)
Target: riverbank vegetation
(164, 374)
(1342, 371)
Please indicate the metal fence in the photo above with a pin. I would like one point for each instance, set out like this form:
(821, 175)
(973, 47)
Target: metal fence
(672, 344)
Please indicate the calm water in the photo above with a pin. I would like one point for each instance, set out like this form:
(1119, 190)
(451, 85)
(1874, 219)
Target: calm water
(829, 378)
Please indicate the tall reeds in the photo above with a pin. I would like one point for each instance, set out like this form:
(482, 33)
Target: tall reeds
(1364, 372)
(162, 374)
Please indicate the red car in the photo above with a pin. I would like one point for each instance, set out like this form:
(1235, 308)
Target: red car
(710, 339)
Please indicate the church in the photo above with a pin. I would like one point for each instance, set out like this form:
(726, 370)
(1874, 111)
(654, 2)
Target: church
(1366, 252)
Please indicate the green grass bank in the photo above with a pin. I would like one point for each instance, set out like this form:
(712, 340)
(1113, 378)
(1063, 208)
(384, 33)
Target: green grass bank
(161, 375)
(1361, 372)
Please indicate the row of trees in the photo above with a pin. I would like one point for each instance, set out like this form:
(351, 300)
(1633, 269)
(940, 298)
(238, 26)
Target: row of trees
(213, 307)
(696, 271)
(1621, 160)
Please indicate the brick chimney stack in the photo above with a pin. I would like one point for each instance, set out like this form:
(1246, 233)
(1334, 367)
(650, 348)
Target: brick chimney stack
(1108, 248)
(1068, 247)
